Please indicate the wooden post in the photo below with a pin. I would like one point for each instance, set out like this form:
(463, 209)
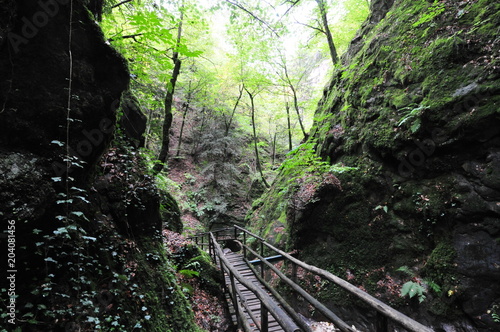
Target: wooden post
(224, 285)
(244, 245)
(211, 249)
(294, 272)
(381, 323)
(262, 261)
(264, 321)
(234, 298)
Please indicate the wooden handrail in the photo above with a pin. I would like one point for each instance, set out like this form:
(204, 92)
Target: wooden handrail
(376, 304)
(266, 301)
(318, 305)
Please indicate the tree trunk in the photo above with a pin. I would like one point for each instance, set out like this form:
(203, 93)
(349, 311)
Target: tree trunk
(230, 121)
(148, 128)
(197, 138)
(275, 138)
(289, 126)
(295, 104)
(326, 28)
(184, 115)
(169, 100)
(256, 148)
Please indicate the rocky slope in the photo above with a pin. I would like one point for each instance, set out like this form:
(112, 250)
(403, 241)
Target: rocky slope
(86, 217)
(407, 187)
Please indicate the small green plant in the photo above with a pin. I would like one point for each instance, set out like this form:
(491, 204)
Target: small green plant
(189, 273)
(417, 287)
(411, 289)
(412, 117)
(495, 313)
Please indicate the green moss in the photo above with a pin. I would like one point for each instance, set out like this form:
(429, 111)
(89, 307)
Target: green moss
(440, 267)
(170, 213)
(159, 305)
(421, 62)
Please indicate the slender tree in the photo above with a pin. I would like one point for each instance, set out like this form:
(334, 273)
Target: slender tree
(251, 95)
(186, 106)
(229, 120)
(169, 100)
(289, 126)
(326, 30)
(323, 26)
(288, 81)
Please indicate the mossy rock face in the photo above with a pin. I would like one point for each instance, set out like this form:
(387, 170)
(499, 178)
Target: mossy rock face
(170, 213)
(87, 228)
(414, 107)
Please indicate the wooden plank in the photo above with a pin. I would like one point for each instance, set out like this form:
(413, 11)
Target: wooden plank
(248, 297)
(252, 302)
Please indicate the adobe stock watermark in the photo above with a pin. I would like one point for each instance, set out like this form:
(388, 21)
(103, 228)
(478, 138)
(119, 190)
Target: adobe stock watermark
(31, 26)
(85, 147)
(425, 149)
(11, 271)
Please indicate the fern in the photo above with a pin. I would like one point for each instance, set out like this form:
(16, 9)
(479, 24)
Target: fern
(435, 287)
(411, 289)
(406, 270)
(413, 118)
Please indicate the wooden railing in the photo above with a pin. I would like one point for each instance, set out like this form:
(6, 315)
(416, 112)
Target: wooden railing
(385, 313)
(267, 305)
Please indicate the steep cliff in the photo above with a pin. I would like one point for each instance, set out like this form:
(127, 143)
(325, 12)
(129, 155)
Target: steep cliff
(410, 128)
(81, 221)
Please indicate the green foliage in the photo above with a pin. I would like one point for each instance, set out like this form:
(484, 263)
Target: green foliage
(411, 289)
(417, 287)
(412, 115)
(303, 159)
(432, 12)
(189, 273)
(495, 313)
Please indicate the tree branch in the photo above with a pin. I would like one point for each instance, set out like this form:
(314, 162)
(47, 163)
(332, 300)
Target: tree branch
(312, 27)
(121, 3)
(293, 4)
(125, 37)
(253, 15)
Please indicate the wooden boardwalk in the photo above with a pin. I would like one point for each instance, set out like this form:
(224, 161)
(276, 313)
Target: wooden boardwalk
(251, 299)
(257, 306)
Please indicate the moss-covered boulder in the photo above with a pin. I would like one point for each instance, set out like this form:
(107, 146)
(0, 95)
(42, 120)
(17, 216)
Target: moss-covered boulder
(85, 218)
(414, 111)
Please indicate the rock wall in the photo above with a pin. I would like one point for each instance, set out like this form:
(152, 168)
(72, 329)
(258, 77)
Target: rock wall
(411, 125)
(88, 249)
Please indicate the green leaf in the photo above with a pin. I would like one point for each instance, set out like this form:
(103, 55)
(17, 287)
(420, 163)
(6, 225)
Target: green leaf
(405, 290)
(189, 273)
(411, 289)
(415, 126)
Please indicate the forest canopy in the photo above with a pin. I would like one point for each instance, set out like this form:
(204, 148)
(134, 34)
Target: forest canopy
(232, 84)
